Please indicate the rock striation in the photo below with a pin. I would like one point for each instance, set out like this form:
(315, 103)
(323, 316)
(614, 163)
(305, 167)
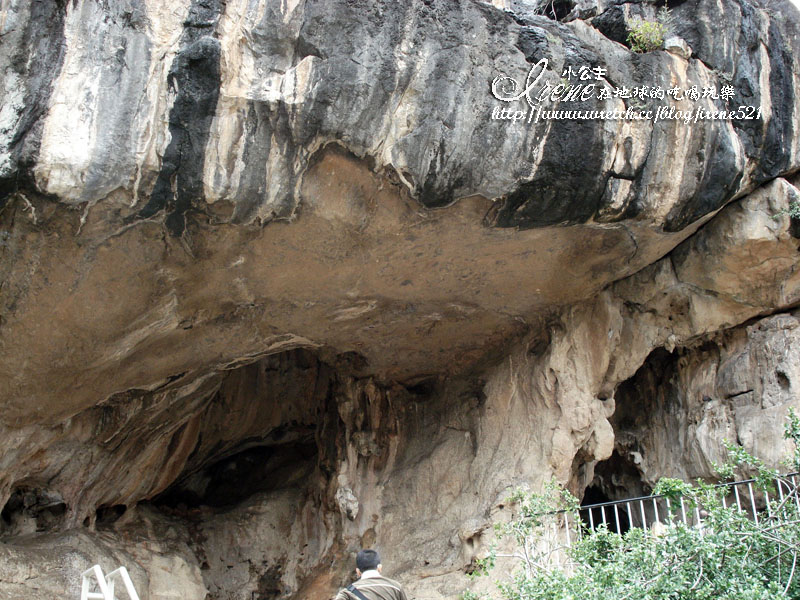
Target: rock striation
(278, 281)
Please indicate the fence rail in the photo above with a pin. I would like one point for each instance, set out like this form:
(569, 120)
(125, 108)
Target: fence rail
(652, 513)
(647, 511)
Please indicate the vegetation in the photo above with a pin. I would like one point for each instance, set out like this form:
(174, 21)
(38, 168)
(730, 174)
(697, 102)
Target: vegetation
(731, 556)
(793, 211)
(646, 36)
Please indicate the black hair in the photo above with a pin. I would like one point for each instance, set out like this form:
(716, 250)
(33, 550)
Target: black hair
(367, 559)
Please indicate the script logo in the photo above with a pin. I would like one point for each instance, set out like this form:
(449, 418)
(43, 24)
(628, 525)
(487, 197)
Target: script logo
(583, 83)
(506, 88)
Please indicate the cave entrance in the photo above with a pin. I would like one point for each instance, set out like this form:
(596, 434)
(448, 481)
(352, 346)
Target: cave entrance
(616, 480)
(557, 9)
(235, 478)
(620, 480)
(31, 509)
(613, 515)
(258, 434)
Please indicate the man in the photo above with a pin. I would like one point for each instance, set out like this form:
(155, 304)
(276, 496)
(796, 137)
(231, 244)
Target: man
(371, 585)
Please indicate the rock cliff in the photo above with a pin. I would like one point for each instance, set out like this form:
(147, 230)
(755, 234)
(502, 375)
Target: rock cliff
(281, 279)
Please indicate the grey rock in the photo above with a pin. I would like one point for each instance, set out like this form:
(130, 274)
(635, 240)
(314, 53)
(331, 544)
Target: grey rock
(348, 503)
(678, 46)
(274, 268)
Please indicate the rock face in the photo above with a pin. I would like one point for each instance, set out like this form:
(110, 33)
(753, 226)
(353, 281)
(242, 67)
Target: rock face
(278, 282)
(737, 386)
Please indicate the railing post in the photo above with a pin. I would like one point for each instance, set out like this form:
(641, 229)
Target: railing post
(768, 501)
(752, 501)
(644, 517)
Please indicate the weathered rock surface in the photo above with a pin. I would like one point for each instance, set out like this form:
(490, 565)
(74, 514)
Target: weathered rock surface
(276, 285)
(49, 566)
(172, 130)
(454, 448)
(736, 386)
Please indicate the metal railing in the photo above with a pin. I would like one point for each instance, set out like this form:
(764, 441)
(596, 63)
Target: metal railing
(96, 586)
(647, 512)
(654, 513)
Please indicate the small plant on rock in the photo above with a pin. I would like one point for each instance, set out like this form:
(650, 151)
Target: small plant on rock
(646, 36)
(793, 211)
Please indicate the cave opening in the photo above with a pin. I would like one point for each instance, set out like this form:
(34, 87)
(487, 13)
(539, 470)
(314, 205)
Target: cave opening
(259, 434)
(616, 480)
(615, 517)
(31, 509)
(106, 516)
(621, 477)
(235, 478)
(557, 9)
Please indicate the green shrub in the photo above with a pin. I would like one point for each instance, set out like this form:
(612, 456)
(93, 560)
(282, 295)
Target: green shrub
(646, 36)
(793, 211)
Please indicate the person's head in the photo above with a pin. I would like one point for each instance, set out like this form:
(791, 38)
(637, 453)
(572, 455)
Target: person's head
(367, 560)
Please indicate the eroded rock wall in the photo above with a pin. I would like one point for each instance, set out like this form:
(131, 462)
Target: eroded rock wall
(276, 286)
(166, 136)
(737, 386)
(426, 466)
